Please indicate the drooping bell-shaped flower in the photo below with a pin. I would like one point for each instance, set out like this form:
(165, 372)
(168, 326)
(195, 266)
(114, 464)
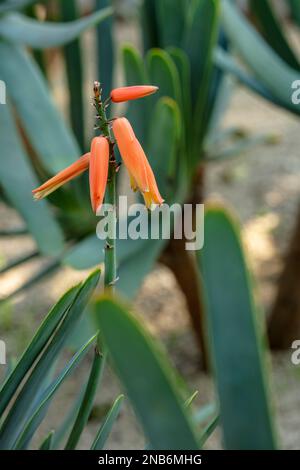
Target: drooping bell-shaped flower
(136, 162)
(98, 171)
(62, 177)
(128, 93)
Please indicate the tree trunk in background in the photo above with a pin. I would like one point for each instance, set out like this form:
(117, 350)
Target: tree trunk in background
(284, 322)
(183, 264)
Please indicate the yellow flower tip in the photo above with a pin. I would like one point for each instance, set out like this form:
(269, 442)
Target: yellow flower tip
(62, 177)
(99, 162)
(119, 95)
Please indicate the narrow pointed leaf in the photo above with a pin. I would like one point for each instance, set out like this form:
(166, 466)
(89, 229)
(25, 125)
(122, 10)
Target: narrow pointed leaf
(272, 31)
(22, 407)
(106, 427)
(40, 409)
(34, 348)
(267, 66)
(17, 180)
(153, 394)
(48, 442)
(236, 339)
(88, 399)
(20, 29)
(45, 128)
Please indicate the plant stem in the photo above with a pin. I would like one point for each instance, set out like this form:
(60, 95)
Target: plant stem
(110, 195)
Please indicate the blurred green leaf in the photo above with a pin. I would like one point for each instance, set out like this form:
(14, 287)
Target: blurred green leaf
(47, 442)
(72, 54)
(295, 10)
(107, 425)
(40, 408)
(17, 180)
(106, 53)
(20, 29)
(153, 394)
(9, 5)
(182, 63)
(88, 399)
(209, 430)
(163, 73)
(47, 132)
(34, 348)
(133, 269)
(199, 40)
(139, 114)
(171, 17)
(272, 31)
(150, 32)
(236, 339)
(163, 140)
(22, 407)
(268, 67)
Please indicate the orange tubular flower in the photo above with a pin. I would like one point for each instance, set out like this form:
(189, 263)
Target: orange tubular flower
(141, 174)
(118, 95)
(62, 177)
(98, 173)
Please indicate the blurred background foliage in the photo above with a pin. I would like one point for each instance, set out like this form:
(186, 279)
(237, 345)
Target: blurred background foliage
(195, 51)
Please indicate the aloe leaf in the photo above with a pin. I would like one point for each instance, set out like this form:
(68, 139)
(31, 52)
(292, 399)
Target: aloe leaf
(9, 5)
(153, 394)
(68, 420)
(209, 430)
(267, 66)
(22, 407)
(47, 132)
(107, 425)
(89, 252)
(163, 139)
(72, 54)
(171, 16)
(182, 63)
(138, 265)
(236, 340)
(202, 30)
(295, 10)
(270, 27)
(199, 39)
(40, 409)
(150, 30)
(47, 442)
(20, 29)
(35, 347)
(163, 73)
(17, 180)
(106, 53)
(88, 399)
(138, 113)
